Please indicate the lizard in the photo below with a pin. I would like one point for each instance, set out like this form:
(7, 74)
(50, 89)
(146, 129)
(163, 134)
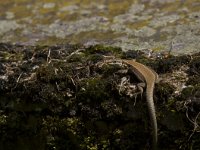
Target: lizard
(149, 77)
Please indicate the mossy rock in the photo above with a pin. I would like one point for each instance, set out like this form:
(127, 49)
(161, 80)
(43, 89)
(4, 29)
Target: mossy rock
(68, 97)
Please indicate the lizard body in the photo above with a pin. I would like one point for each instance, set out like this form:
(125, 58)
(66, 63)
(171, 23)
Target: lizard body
(148, 76)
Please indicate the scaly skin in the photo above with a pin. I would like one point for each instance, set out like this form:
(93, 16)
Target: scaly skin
(148, 76)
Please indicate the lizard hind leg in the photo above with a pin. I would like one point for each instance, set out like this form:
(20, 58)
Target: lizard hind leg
(140, 87)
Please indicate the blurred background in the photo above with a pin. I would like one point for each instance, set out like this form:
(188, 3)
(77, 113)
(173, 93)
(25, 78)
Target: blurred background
(159, 25)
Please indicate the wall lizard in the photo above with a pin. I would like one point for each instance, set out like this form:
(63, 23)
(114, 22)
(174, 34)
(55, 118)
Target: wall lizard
(149, 77)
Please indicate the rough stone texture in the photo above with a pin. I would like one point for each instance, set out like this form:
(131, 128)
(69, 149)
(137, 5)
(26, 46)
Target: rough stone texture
(149, 24)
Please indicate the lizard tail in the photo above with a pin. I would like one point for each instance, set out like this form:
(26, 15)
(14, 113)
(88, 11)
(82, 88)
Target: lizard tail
(152, 114)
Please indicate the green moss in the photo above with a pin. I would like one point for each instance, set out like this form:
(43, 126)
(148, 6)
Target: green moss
(191, 91)
(2, 119)
(65, 131)
(95, 58)
(104, 50)
(46, 73)
(194, 80)
(194, 71)
(173, 120)
(76, 58)
(131, 137)
(93, 90)
(171, 63)
(12, 56)
(164, 91)
(110, 69)
(73, 102)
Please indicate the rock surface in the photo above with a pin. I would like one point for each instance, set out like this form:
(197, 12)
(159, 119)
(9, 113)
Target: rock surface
(132, 25)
